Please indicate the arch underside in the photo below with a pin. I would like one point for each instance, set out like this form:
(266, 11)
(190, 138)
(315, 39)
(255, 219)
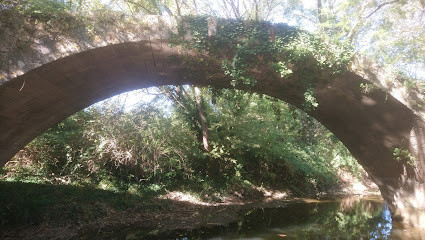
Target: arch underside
(370, 125)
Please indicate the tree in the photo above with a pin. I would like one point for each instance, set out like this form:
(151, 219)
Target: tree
(390, 31)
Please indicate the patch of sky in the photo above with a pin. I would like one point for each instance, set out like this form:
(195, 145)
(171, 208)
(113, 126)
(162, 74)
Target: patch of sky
(131, 100)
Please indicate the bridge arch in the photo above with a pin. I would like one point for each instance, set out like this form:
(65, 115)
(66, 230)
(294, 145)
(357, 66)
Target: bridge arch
(371, 125)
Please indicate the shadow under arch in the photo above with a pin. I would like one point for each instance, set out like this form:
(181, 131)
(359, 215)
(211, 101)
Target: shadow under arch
(370, 125)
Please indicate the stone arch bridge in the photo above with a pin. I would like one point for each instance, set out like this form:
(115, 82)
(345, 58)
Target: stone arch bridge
(57, 75)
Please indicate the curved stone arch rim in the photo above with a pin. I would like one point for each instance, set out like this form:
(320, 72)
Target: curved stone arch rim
(42, 97)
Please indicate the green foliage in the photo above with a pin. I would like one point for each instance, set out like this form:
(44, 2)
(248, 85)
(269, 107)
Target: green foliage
(281, 68)
(368, 87)
(252, 51)
(255, 141)
(390, 32)
(404, 155)
(21, 18)
(250, 143)
(328, 55)
(310, 100)
(45, 10)
(60, 151)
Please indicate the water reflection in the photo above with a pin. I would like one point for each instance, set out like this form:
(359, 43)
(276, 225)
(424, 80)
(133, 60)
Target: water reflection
(347, 218)
(383, 228)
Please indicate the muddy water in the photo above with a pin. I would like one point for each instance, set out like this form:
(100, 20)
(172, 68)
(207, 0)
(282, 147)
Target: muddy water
(345, 218)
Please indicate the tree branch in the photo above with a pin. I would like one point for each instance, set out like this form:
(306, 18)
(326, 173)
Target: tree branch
(380, 6)
(306, 17)
(359, 21)
(422, 2)
(235, 8)
(226, 9)
(319, 11)
(142, 7)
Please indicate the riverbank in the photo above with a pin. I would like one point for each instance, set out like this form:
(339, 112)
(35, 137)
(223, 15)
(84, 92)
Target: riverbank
(37, 211)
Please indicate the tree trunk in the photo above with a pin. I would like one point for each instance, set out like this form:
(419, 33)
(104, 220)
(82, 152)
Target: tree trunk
(205, 140)
(178, 8)
(319, 11)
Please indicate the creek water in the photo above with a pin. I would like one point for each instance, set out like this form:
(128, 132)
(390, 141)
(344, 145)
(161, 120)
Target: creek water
(343, 218)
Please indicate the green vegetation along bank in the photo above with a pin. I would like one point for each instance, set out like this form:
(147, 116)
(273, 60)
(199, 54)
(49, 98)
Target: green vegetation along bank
(111, 162)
